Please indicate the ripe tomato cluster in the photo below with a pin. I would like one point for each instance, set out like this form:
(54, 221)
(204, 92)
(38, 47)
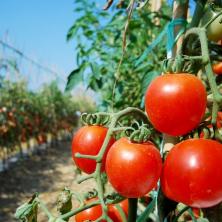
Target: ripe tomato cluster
(133, 169)
(191, 173)
(175, 105)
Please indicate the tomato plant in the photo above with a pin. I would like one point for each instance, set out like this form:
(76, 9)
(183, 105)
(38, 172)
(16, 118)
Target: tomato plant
(192, 173)
(133, 169)
(175, 103)
(88, 140)
(217, 68)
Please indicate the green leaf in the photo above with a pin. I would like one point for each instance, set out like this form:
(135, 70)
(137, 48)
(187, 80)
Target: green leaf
(192, 215)
(145, 215)
(96, 70)
(98, 36)
(95, 84)
(74, 78)
(147, 80)
(79, 9)
(64, 201)
(88, 33)
(202, 220)
(144, 66)
(28, 211)
(72, 31)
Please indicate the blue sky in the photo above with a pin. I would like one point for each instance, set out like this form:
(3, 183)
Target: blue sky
(38, 28)
(191, 4)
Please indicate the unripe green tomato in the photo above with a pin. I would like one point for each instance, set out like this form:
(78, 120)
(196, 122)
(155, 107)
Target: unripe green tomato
(214, 29)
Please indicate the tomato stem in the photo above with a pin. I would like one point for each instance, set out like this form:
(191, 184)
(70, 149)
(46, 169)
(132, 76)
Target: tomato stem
(87, 177)
(132, 209)
(201, 34)
(44, 208)
(198, 13)
(73, 212)
(180, 213)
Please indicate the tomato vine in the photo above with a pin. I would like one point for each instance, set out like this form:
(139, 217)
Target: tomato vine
(131, 161)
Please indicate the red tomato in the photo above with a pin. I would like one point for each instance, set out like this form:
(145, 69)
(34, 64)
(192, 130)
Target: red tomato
(192, 173)
(113, 212)
(90, 214)
(95, 212)
(133, 169)
(219, 120)
(196, 212)
(88, 140)
(41, 139)
(217, 68)
(175, 103)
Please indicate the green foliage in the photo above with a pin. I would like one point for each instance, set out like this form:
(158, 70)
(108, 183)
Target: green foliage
(73, 79)
(28, 211)
(149, 209)
(64, 201)
(99, 50)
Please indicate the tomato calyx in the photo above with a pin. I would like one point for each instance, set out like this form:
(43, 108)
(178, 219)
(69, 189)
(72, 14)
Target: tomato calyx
(207, 129)
(181, 64)
(139, 132)
(98, 119)
(91, 194)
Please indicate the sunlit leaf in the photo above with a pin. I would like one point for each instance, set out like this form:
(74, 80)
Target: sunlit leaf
(145, 215)
(74, 78)
(147, 79)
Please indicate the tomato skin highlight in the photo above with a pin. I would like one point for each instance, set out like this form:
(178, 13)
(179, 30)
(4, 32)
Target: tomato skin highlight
(133, 169)
(88, 140)
(192, 173)
(175, 103)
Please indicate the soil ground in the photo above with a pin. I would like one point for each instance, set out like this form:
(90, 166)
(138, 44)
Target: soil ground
(47, 173)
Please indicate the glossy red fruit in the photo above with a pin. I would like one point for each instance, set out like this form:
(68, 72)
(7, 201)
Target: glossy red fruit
(90, 214)
(175, 103)
(217, 68)
(192, 173)
(88, 140)
(133, 169)
(196, 212)
(95, 212)
(113, 212)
